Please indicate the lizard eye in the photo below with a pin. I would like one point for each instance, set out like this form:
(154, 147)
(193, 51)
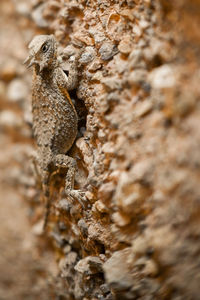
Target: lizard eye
(45, 47)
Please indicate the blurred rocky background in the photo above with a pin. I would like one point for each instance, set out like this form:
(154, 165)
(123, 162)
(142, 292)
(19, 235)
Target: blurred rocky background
(137, 153)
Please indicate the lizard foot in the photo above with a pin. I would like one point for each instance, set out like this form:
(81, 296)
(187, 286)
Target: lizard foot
(78, 195)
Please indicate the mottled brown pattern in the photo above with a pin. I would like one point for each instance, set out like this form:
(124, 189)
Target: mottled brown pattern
(55, 119)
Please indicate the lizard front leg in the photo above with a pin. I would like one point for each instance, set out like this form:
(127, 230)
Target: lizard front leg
(70, 81)
(72, 78)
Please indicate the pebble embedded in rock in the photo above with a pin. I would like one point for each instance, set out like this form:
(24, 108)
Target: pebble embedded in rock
(143, 108)
(89, 265)
(117, 272)
(37, 15)
(88, 55)
(101, 207)
(8, 70)
(137, 77)
(125, 46)
(68, 51)
(120, 219)
(17, 90)
(107, 50)
(10, 119)
(95, 65)
(112, 83)
(162, 77)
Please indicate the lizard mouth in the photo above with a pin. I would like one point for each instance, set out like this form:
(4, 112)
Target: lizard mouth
(29, 61)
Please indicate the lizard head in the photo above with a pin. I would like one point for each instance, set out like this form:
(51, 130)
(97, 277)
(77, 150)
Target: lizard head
(42, 52)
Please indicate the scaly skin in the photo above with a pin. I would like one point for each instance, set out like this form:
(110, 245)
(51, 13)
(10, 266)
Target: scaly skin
(55, 120)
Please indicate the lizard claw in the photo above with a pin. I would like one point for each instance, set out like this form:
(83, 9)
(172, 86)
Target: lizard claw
(78, 195)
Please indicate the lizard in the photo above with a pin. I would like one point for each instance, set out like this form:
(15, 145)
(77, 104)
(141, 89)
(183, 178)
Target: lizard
(55, 120)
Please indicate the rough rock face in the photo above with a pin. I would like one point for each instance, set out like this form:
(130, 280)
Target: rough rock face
(137, 150)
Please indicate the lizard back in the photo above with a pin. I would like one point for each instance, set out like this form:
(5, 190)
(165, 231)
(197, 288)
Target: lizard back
(55, 119)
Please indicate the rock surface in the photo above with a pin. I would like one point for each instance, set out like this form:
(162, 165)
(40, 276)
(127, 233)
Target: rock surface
(137, 149)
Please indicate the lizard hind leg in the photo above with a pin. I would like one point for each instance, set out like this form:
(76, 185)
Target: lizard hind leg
(70, 163)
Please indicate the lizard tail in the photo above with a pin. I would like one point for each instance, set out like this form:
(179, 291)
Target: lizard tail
(47, 199)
